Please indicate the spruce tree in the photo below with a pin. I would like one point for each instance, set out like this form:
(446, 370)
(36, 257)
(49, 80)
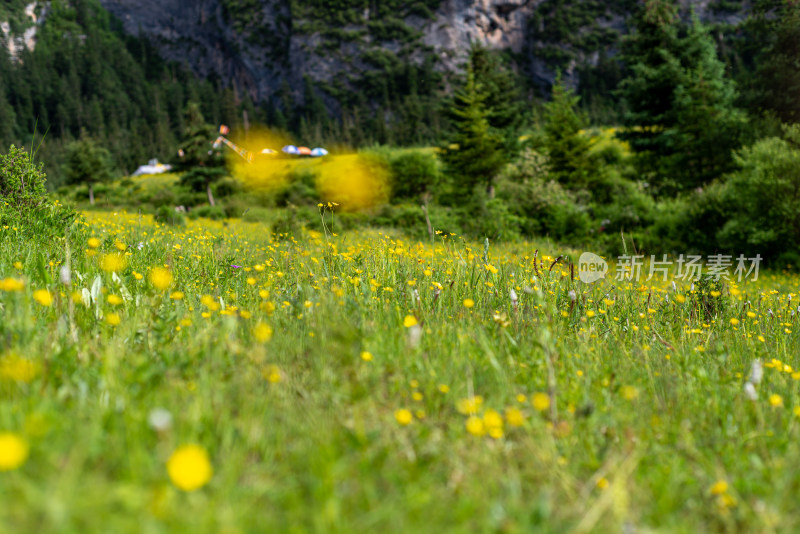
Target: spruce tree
(567, 148)
(681, 120)
(777, 80)
(477, 154)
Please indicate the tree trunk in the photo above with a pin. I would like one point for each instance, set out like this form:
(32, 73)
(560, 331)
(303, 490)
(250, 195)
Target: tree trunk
(490, 190)
(210, 195)
(91, 194)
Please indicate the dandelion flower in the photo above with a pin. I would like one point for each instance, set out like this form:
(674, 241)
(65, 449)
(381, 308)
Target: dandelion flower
(113, 263)
(540, 401)
(11, 285)
(160, 278)
(13, 451)
(93, 242)
(189, 467)
(410, 321)
(43, 297)
(114, 300)
(113, 319)
(469, 303)
(17, 369)
(515, 417)
(262, 332)
(718, 488)
(403, 416)
(775, 400)
(470, 405)
(366, 356)
(629, 392)
(176, 295)
(734, 321)
(475, 426)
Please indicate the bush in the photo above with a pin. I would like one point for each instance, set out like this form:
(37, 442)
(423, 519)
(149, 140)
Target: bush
(168, 215)
(765, 214)
(302, 189)
(413, 174)
(22, 182)
(227, 187)
(540, 205)
(209, 212)
(688, 223)
(23, 200)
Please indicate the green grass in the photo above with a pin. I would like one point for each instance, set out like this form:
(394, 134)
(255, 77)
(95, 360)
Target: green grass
(645, 406)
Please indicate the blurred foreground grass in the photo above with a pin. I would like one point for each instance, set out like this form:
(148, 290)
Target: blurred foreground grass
(362, 382)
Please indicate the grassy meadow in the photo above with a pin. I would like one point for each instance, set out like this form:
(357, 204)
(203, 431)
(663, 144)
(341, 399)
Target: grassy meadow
(220, 378)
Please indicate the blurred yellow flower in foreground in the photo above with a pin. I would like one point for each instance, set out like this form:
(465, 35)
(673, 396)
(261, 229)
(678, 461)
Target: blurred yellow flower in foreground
(43, 297)
(160, 278)
(13, 451)
(403, 416)
(540, 401)
(113, 263)
(11, 284)
(17, 369)
(189, 467)
(262, 332)
(410, 321)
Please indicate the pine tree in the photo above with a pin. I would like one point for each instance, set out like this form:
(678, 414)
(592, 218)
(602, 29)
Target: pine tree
(707, 126)
(478, 155)
(567, 149)
(201, 164)
(503, 98)
(681, 120)
(777, 80)
(87, 163)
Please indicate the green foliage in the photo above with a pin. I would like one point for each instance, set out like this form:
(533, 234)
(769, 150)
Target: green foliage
(567, 148)
(681, 118)
(24, 205)
(764, 196)
(414, 174)
(86, 162)
(538, 203)
(776, 83)
(168, 215)
(302, 189)
(477, 156)
(22, 182)
(208, 212)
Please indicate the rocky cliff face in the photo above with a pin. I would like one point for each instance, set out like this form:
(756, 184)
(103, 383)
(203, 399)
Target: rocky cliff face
(257, 45)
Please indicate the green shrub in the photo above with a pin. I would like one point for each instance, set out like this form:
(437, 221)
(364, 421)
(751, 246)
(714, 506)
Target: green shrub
(688, 223)
(764, 199)
(23, 200)
(168, 215)
(413, 174)
(302, 189)
(22, 182)
(209, 212)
